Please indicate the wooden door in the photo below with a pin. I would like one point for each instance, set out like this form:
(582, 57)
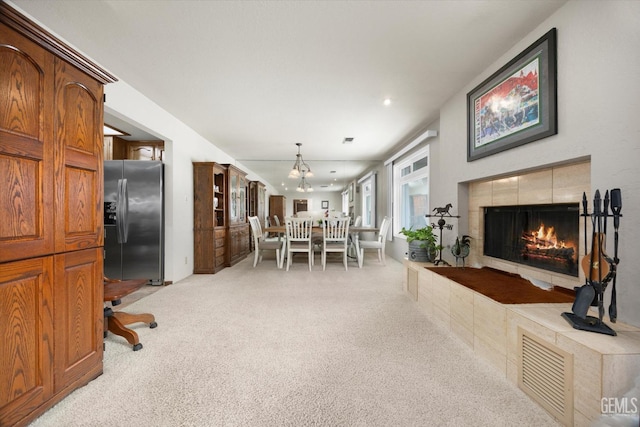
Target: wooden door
(79, 153)
(26, 148)
(26, 328)
(78, 316)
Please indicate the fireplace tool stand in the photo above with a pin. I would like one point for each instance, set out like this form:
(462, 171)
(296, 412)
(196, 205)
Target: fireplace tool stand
(442, 224)
(599, 268)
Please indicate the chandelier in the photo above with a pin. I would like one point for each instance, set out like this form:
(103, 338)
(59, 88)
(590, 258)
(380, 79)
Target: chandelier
(304, 186)
(300, 167)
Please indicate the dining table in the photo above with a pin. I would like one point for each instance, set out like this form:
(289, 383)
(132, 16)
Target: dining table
(354, 232)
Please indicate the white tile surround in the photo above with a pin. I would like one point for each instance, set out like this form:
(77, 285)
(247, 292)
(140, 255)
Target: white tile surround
(603, 366)
(558, 184)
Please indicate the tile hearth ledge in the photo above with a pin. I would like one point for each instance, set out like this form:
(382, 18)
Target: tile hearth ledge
(603, 366)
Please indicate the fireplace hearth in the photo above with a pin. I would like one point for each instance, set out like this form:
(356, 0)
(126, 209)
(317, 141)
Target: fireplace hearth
(540, 236)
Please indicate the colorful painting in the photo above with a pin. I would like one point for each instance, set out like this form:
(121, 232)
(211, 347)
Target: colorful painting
(517, 104)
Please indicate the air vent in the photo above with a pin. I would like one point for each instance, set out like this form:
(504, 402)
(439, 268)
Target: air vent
(545, 373)
(348, 140)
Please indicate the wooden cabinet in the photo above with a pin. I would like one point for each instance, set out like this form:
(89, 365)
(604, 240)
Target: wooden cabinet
(238, 228)
(256, 204)
(221, 231)
(145, 150)
(277, 206)
(116, 148)
(210, 217)
(51, 233)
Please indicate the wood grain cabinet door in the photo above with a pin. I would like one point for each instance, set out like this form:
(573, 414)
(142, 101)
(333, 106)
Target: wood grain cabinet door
(26, 337)
(79, 208)
(79, 314)
(26, 148)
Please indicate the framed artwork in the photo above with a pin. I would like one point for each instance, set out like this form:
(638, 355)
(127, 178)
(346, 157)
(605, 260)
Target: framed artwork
(517, 104)
(325, 204)
(351, 191)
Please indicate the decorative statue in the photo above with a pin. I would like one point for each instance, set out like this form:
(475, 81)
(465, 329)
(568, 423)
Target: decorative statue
(460, 249)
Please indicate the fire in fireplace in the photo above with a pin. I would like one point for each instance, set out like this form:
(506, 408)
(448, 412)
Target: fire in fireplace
(540, 236)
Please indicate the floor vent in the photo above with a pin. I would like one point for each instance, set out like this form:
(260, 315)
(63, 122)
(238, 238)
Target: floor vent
(545, 373)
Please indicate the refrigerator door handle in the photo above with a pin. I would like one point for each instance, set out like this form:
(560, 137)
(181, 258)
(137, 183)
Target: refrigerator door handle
(122, 211)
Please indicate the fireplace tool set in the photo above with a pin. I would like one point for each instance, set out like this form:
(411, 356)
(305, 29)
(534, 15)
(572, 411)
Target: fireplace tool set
(599, 269)
(442, 223)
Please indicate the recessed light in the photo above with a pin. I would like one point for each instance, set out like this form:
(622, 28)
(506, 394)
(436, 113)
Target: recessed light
(387, 102)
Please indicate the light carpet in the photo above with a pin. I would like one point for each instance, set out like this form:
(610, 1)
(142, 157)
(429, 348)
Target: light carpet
(266, 347)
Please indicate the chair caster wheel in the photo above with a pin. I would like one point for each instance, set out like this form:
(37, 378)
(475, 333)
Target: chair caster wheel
(153, 325)
(137, 347)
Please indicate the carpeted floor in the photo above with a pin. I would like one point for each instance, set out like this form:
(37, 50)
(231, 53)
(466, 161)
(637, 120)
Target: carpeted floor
(506, 288)
(265, 347)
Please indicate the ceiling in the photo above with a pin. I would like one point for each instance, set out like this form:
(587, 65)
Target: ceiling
(256, 77)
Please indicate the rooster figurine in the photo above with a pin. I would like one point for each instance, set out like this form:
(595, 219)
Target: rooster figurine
(460, 249)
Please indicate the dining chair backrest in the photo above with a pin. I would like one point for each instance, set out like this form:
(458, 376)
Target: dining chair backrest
(335, 229)
(298, 229)
(256, 229)
(276, 220)
(384, 229)
(358, 221)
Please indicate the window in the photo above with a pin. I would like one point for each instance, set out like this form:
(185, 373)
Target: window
(367, 185)
(367, 208)
(411, 191)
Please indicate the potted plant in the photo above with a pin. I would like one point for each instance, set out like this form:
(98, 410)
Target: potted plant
(422, 244)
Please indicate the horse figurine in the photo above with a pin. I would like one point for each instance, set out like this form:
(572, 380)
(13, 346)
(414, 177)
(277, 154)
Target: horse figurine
(443, 211)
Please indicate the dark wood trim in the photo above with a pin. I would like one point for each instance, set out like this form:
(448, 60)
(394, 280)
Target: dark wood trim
(48, 41)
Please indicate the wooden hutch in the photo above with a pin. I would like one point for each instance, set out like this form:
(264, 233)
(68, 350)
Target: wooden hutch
(238, 228)
(51, 205)
(221, 230)
(209, 217)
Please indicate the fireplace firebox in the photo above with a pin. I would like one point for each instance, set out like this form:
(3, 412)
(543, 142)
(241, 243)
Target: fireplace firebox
(540, 236)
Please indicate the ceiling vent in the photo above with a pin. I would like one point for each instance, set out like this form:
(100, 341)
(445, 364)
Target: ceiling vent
(348, 140)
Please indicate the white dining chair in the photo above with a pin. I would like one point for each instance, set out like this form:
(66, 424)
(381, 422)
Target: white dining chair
(358, 221)
(335, 236)
(261, 244)
(298, 233)
(377, 244)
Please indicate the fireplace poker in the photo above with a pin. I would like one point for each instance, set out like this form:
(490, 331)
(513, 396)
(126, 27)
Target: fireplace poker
(616, 207)
(597, 213)
(585, 214)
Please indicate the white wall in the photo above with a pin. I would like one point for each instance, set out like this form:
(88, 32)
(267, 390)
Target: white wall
(315, 199)
(598, 104)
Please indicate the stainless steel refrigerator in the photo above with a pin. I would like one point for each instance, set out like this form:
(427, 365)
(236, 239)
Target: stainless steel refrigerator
(134, 220)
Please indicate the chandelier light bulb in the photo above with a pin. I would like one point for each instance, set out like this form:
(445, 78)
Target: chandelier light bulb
(300, 167)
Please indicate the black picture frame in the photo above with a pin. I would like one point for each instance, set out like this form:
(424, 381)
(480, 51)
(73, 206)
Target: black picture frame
(506, 111)
(325, 204)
